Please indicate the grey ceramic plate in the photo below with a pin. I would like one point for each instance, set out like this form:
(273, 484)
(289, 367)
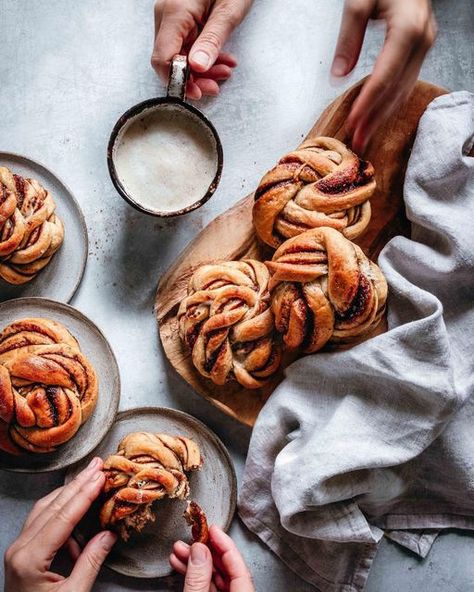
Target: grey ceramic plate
(96, 347)
(62, 276)
(214, 488)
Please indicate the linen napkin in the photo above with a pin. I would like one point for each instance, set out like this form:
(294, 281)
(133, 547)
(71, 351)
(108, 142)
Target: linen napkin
(378, 439)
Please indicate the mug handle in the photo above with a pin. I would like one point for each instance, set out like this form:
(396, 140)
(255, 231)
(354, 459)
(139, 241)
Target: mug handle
(178, 77)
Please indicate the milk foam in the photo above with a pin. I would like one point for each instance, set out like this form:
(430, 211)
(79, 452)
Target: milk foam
(166, 158)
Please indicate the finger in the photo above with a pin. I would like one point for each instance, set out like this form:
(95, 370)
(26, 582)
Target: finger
(65, 494)
(182, 551)
(180, 558)
(88, 565)
(59, 527)
(217, 72)
(233, 565)
(228, 59)
(217, 563)
(385, 104)
(354, 21)
(190, 39)
(73, 548)
(173, 24)
(177, 564)
(199, 569)
(404, 43)
(40, 506)
(208, 87)
(192, 90)
(224, 17)
(366, 129)
(399, 60)
(220, 583)
(206, 84)
(386, 74)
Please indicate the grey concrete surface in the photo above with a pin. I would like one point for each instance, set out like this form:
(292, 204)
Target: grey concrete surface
(67, 71)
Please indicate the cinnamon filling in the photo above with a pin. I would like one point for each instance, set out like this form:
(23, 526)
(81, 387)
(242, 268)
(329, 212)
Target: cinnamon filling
(359, 302)
(344, 181)
(309, 325)
(20, 187)
(212, 359)
(3, 194)
(264, 188)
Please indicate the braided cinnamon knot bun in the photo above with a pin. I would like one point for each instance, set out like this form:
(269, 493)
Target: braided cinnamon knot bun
(227, 323)
(321, 183)
(48, 388)
(147, 468)
(30, 231)
(324, 289)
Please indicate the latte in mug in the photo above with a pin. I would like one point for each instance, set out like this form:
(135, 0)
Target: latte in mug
(165, 158)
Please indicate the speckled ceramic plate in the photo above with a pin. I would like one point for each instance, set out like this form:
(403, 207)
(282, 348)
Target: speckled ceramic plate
(62, 276)
(214, 488)
(96, 347)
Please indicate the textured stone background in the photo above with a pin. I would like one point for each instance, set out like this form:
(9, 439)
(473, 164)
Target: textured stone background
(67, 71)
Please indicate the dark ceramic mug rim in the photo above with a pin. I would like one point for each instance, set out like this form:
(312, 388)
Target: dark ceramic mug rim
(133, 112)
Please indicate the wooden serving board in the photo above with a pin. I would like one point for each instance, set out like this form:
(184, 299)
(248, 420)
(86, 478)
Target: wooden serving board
(231, 236)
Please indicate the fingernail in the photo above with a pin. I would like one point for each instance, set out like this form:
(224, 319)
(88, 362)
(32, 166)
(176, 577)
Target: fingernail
(108, 540)
(97, 476)
(201, 58)
(183, 544)
(198, 554)
(339, 66)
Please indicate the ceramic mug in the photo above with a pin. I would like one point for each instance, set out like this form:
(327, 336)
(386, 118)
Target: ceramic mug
(126, 151)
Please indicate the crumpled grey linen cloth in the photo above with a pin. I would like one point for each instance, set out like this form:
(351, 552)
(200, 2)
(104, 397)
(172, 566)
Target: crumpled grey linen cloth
(379, 439)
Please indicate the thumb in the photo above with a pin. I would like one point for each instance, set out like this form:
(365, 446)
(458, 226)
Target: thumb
(87, 567)
(199, 570)
(220, 24)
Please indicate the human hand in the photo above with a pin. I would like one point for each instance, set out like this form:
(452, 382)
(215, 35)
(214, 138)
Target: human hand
(199, 28)
(47, 529)
(411, 31)
(219, 567)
